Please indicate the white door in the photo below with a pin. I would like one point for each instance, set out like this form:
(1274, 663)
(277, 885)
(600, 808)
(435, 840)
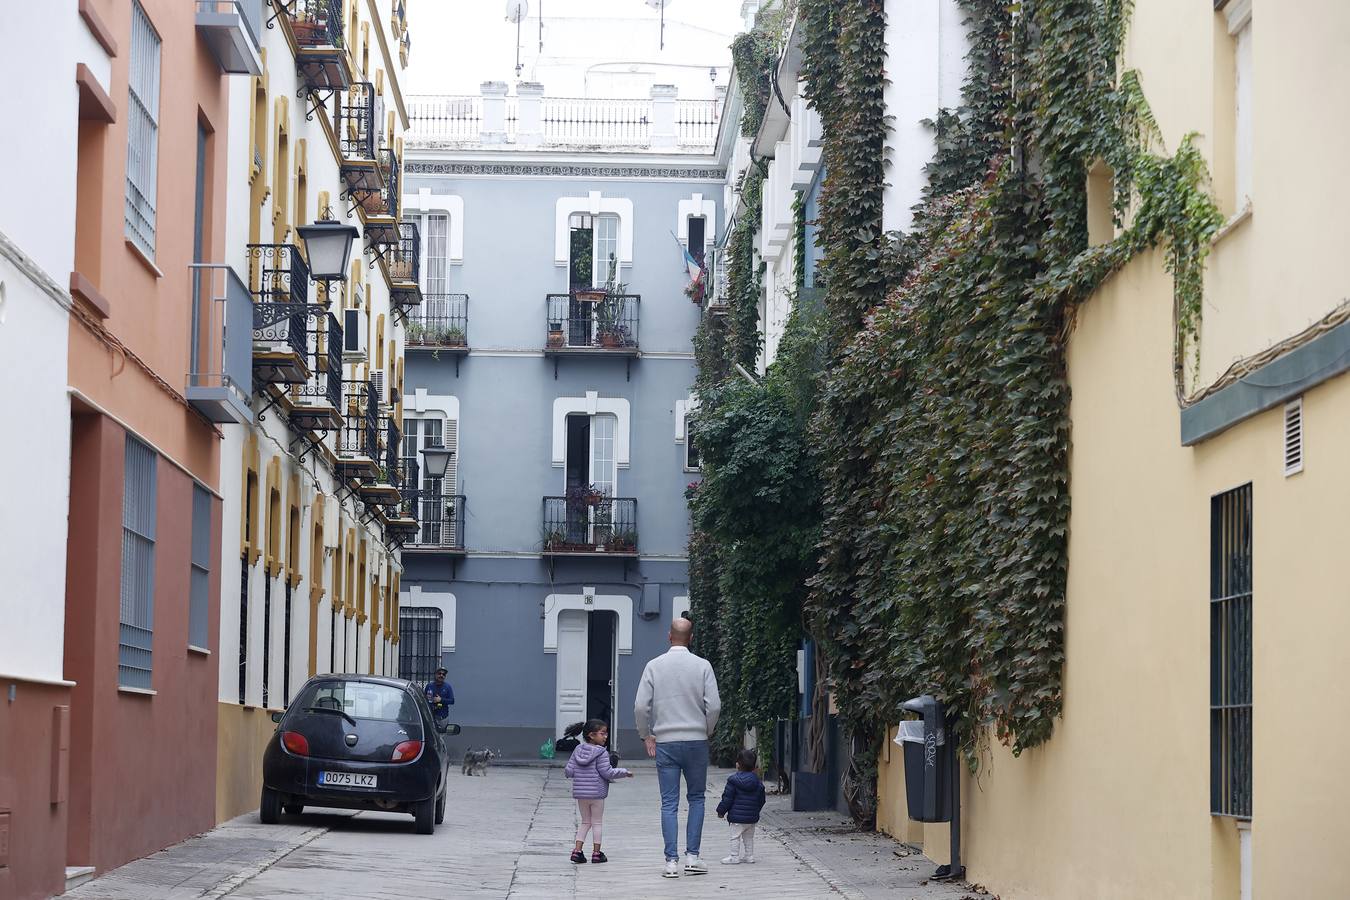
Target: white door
(573, 648)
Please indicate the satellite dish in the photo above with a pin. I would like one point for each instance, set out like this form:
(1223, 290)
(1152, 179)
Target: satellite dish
(517, 10)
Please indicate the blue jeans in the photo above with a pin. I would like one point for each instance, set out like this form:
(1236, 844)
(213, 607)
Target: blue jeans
(689, 758)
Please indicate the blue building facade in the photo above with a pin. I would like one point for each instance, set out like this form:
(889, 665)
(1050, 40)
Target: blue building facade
(552, 352)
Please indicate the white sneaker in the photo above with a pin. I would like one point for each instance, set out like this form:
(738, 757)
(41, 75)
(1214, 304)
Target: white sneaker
(672, 869)
(732, 860)
(694, 866)
(748, 859)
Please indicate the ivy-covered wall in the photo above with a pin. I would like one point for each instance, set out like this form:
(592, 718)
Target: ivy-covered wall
(932, 407)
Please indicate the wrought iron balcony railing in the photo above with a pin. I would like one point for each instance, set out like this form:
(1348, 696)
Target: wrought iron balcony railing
(393, 443)
(358, 437)
(592, 320)
(282, 326)
(440, 519)
(278, 273)
(442, 322)
(360, 116)
(405, 260)
(316, 23)
(590, 523)
(318, 402)
(393, 180)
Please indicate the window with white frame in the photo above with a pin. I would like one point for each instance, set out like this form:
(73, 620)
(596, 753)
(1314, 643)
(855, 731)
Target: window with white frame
(136, 629)
(437, 510)
(604, 472)
(691, 459)
(142, 131)
(594, 250)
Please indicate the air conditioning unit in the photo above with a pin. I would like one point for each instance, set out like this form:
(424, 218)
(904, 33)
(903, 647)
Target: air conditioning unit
(354, 338)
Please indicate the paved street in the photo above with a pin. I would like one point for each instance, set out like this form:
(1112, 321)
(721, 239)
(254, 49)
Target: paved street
(507, 835)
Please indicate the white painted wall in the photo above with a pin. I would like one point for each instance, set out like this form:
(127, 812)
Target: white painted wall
(274, 438)
(926, 46)
(37, 252)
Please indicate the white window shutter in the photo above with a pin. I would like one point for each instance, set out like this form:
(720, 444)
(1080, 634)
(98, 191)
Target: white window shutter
(1293, 437)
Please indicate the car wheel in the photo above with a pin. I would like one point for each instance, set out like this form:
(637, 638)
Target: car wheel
(440, 807)
(269, 811)
(294, 809)
(424, 815)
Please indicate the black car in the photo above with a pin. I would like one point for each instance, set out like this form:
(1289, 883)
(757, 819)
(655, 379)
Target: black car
(357, 742)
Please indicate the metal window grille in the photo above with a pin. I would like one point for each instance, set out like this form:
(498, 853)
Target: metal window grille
(419, 643)
(1230, 654)
(266, 637)
(199, 588)
(136, 619)
(142, 131)
(286, 653)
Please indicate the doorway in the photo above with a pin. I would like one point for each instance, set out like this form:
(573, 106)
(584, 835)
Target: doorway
(587, 686)
(589, 480)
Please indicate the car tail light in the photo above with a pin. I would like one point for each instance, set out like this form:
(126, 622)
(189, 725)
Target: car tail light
(295, 742)
(407, 751)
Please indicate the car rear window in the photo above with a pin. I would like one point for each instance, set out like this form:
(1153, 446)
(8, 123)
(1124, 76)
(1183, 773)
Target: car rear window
(362, 700)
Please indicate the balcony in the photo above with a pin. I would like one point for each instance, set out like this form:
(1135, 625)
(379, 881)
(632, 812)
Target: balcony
(281, 313)
(320, 57)
(219, 384)
(391, 477)
(591, 322)
(440, 521)
(230, 29)
(358, 440)
(588, 523)
(442, 324)
(382, 210)
(404, 265)
(360, 114)
(316, 405)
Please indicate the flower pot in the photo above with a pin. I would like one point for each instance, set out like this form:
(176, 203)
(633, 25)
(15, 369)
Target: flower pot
(309, 33)
(610, 340)
(555, 338)
(594, 296)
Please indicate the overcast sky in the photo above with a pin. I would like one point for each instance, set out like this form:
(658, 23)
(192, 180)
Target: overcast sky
(457, 44)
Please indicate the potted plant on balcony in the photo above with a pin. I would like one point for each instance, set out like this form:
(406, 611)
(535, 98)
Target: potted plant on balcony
(623, 542)
(554, 539)
(582, 496)
(416, 332)
(555, 334)
(311, 31)
(454, 337)
(609, 326)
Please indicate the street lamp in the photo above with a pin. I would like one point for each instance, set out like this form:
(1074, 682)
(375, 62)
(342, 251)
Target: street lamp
(437, 459)
(328, 248)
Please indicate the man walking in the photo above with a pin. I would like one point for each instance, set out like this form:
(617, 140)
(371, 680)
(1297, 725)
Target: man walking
(676, 712)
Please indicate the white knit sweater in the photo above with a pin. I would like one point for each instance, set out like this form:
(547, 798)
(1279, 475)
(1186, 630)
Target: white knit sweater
(677, 698)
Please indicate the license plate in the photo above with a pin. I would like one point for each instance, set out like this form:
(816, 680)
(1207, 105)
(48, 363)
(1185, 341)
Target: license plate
(347, 779)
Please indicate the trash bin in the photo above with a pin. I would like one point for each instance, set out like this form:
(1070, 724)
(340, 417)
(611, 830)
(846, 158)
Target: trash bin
(928, 782)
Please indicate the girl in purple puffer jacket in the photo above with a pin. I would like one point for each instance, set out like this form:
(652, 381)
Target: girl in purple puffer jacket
(591, 772)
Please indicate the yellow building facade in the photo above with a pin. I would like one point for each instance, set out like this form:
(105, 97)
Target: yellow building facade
(1120, 802)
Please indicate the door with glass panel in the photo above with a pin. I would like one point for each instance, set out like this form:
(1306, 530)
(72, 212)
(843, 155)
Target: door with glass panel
(603, 477)
(435, 503)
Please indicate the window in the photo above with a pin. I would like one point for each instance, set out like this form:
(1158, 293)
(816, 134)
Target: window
(691, 463)
(594, 260)
(136, 619)
(1230, 653)
(697, 243)
(436, 513)
(1240, 27)
(142, 131)
(603, 472)
(199, 586)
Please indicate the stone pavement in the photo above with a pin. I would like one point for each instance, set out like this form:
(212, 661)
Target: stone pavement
(507, 836)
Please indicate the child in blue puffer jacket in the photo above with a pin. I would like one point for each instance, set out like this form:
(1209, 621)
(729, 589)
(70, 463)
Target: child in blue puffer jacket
(591, 772)
(741, 802)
